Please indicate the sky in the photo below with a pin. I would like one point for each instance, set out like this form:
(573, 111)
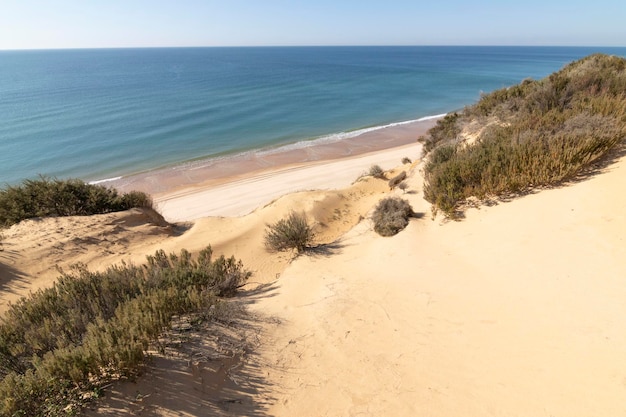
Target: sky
(44, 24)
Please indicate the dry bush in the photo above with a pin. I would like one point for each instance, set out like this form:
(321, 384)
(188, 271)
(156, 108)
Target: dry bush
(406, 160)
(377, 172)
(397, 180)
(292, 232)
(391, 216)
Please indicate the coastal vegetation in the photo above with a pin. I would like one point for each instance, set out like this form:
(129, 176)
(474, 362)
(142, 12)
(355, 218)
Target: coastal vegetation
(395, 181)
(292, 232)
(377, 172)
(391, 215)
(47, 197)
(534, 134)
(61, 344)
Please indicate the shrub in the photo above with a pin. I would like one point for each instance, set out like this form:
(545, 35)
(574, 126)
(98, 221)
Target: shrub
(91, 328)
(539, 133)
(47, 197)
(403, 186)
(446, 129)
(137, 199)
(406, 160)
(377, 172)
(292, 232)
(397, 180)
(391, 216)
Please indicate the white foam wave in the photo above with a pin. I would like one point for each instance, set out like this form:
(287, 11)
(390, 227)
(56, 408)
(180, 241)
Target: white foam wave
(104, 180)
(336, 137)
(436, 116)
(332, 138)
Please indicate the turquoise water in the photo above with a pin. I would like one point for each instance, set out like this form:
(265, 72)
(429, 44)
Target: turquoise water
(96, 114)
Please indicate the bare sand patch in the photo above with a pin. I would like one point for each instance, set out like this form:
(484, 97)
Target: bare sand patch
(516, 310)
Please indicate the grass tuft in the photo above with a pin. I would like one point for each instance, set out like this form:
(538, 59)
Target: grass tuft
(289, 233)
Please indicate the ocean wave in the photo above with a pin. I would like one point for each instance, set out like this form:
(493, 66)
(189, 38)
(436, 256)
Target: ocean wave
(423, 119)
(336, 137)
(302, 144)
(104, 180)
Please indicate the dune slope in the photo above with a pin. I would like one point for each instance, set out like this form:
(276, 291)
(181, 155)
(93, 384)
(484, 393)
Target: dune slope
(518, 310)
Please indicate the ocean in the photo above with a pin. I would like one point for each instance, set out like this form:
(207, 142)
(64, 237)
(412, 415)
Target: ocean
(106, 113)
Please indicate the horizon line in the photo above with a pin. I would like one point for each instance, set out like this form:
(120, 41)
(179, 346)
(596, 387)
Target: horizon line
(312, 46)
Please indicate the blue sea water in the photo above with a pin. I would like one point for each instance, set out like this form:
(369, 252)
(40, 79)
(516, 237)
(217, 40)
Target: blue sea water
(102, 113)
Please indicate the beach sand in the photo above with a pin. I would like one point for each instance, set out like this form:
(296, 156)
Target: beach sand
(516, 310)
(205, 174)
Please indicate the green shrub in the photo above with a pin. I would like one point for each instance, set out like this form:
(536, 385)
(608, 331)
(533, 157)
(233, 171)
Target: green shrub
(391, 216)
(292, 232)
(47, 197)
(445, 129)
(546, 132)
(137, 199)
(91, 328)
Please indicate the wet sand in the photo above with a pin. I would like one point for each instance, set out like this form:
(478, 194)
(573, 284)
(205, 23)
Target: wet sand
(211, 172)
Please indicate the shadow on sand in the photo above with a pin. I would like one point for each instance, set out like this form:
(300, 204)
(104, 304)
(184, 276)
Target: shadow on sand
(211, 369)
(11, 280)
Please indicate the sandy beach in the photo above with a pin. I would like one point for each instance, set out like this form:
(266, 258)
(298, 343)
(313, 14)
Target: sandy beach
(516, 310)
(204, 173)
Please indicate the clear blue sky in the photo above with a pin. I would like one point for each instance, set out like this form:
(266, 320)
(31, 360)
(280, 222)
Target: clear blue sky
(28, 24)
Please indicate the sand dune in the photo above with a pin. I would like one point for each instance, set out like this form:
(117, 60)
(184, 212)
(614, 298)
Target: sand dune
(33, 249)
(517, 310)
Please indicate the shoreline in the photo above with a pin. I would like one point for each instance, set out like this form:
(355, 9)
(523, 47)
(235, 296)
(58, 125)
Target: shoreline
(215, 171)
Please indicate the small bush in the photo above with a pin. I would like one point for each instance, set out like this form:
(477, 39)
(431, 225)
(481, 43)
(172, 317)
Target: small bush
(403, 186)
(134, 199)
(377, 172)
(291, 233)
(397, 180)
(391, 216)
(406, 160)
